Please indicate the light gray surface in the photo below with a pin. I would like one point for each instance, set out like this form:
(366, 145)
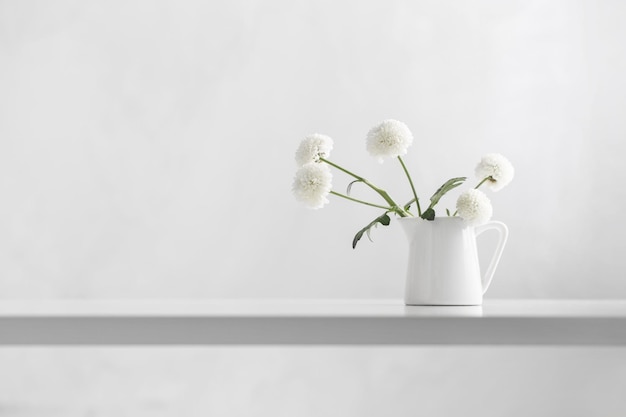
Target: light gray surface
(308, 308)
(503, 322)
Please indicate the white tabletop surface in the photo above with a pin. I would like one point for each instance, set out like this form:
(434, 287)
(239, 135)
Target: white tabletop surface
(310, 322)
(308, 308)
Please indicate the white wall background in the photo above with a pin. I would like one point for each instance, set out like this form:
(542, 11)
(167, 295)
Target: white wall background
(146, 150)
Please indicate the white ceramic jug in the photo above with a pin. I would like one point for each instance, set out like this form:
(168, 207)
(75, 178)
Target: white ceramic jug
(443, 261)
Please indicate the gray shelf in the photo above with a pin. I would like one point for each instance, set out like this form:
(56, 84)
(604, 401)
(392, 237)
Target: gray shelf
(310, 322)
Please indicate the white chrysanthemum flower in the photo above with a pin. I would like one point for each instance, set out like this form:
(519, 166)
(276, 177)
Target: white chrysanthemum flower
(312, 184)
(498, 168)
(312, 148)
(389, 139)
(474, 207)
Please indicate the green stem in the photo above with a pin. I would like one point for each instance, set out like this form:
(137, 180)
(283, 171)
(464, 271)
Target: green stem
(392, 204)
(359, 201)
(406, 171)
(483, 181)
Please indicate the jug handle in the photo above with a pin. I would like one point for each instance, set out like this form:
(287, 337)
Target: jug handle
(503, 234)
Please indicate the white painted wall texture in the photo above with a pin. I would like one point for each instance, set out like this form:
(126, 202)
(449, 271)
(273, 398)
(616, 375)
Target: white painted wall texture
(146, 150)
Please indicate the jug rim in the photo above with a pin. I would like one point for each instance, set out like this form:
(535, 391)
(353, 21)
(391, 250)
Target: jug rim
(416, 218)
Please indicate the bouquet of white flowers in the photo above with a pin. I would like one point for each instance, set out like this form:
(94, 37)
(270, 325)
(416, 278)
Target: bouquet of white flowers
(391, 139)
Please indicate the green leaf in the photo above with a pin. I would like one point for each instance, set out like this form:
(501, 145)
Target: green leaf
(447, 186)
(429, 214)
(448, 212)
(384, 220)
(408, 205)
(350, 186)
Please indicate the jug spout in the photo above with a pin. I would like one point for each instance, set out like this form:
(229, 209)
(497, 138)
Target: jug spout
(410, 226)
